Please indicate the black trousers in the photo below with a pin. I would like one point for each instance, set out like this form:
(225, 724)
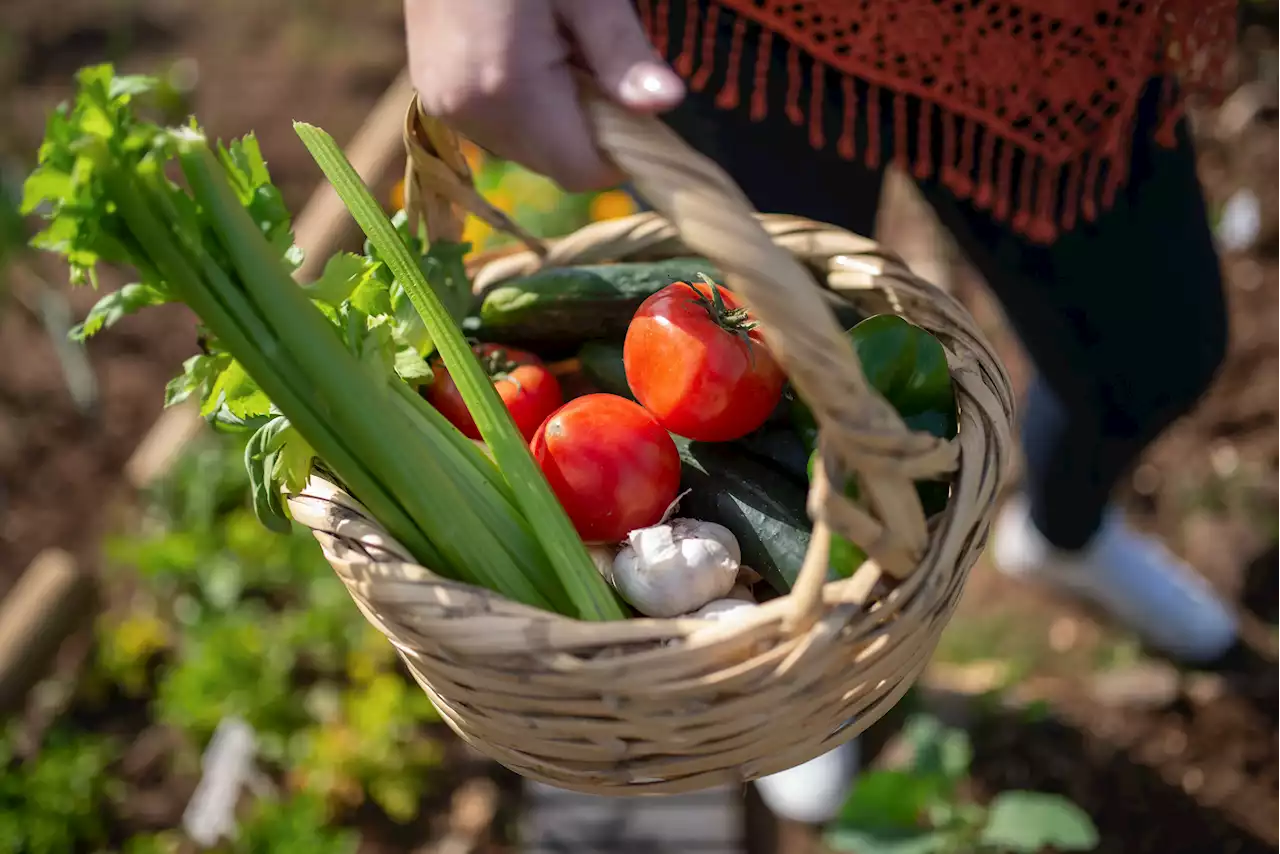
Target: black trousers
(1123, 317)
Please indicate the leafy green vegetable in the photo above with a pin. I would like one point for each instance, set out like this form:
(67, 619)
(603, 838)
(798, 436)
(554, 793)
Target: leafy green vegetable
(316, 372)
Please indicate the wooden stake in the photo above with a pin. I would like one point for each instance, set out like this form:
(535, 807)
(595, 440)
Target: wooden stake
(47, 604)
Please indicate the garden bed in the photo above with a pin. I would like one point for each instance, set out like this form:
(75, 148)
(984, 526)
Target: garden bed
(1206, 756)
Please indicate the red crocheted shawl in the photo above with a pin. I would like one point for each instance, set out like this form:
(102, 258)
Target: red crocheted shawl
(1057, 79)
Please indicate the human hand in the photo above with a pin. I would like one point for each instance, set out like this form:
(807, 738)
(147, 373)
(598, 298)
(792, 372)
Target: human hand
(498, 71)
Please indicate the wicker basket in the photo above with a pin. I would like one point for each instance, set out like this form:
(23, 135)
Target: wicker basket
(649, 706)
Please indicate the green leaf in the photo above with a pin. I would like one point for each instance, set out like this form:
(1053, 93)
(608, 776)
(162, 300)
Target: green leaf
(262, 460)
(46, 183)
(247, 173)
(116, 305)
(888, 841)
(409, 328)
(236, 390)
(293, 460)
(938, 750)
(889, 800)
(1027, 822)
(447, 274)
(126, 86)
(411, 367)
(197, 374)
(343, 273)
(370, 294)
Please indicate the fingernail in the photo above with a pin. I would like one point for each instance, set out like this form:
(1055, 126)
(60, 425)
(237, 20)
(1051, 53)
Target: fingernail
(649, 84)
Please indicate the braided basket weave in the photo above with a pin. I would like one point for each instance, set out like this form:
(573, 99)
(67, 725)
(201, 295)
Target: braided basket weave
(649, 706)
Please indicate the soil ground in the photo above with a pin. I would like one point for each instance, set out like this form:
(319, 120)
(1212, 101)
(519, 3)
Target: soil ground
(1188, 769)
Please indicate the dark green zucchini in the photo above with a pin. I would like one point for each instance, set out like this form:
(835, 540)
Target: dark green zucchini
(779, 447)
(602, 365)
(574, 304)
(762, 507)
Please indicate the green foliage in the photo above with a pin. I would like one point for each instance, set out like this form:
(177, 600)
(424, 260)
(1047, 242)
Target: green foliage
(262, 629)
(296, 826)
(1031, 821)
(364, 743)
(920, 809)
(234, 665)
(127, 644)
(56, 802)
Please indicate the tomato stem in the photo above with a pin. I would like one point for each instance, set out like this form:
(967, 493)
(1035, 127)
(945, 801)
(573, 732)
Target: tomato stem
(736, 321)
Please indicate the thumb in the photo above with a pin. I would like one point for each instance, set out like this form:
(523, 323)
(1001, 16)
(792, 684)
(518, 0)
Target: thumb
(609, 36)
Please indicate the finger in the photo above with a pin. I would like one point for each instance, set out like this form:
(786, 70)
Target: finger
(610, 37)
(540, 124)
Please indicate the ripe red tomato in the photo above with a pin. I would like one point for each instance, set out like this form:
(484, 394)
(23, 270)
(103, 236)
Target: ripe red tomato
(529, 390)
(612, 466)
(695, 359)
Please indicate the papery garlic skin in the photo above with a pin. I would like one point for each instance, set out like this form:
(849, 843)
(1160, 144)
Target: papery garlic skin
(741, 591)
(725, 610)
(673, 568)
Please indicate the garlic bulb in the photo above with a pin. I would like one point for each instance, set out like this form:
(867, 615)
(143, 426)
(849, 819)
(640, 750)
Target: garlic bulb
(674, 567)
(741, 589)
(725, 610)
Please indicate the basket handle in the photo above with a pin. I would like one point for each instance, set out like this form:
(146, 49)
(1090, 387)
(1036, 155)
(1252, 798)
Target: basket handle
(860, 433)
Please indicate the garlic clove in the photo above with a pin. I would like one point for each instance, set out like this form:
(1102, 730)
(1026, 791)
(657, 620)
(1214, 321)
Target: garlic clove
(741, 592)
(725, 610)
(675, 567)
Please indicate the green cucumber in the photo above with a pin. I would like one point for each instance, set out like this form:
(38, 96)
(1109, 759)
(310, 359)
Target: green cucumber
(762, 507)
(575, 304)
(602, 365)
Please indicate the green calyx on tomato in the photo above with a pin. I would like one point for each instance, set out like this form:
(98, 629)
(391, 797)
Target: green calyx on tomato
(527, 388)
(736, 320)
(696, 360)
(908, 367)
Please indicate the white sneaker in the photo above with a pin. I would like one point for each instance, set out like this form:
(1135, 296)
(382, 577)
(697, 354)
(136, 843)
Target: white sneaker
(812, 793)
(1129, 575)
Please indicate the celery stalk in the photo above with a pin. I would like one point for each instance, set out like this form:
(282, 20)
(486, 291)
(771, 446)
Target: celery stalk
(577, 572)
(363, 411)
(176, 268)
